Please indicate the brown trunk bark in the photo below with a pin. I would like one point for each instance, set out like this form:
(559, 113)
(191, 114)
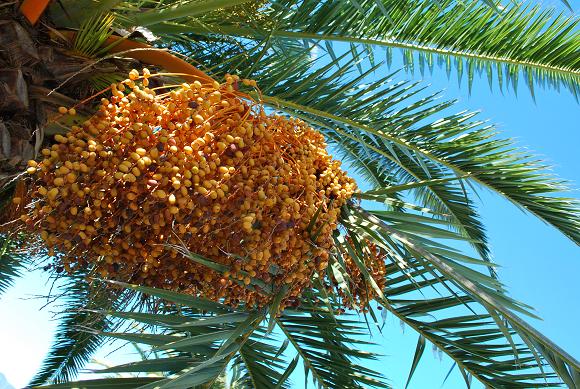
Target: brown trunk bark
(37, 75)
(18, 58)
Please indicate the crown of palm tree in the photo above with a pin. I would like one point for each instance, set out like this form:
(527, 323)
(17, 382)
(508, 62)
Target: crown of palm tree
(419, 159)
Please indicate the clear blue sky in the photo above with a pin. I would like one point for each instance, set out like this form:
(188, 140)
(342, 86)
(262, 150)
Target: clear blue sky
(539, 265)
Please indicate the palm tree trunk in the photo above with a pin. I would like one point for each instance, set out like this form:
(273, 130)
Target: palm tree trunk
(19, 117)
(32, 67)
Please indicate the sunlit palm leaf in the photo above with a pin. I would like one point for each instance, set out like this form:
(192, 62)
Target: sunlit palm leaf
(199, 351)
(469, 36)
(323, 342)
(260, 363)
(467, 314)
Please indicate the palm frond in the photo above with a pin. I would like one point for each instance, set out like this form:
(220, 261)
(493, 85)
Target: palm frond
(92, 34)
(109, 383)
(260, 363)
(72, 347)
(163, 11)
(536, 45)
(437, 291)
(446, 195)
(197, 339)
(197, 336)
(323, 341)
(137, 15)
(12, 261)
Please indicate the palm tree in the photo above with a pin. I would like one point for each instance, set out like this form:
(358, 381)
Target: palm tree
(419, 160)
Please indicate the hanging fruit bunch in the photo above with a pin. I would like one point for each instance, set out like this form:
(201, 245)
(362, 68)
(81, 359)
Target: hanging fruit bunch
(359, 293)
(200, 167)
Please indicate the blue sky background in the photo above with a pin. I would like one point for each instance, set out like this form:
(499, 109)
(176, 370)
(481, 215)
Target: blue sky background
(540, 266)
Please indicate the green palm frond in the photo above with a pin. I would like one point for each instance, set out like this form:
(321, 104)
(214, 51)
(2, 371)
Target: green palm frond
(70, 13)
(109, 383)
(215, 333)
(329, 345)
(197, 339)
(439, 292)
(446, 195)
(72, 347)
(260, 363)
(12, 261)
(164, 11)
(92, 34)
(520, 41)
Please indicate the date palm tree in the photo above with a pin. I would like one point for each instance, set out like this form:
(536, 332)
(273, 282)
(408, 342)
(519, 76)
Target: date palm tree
(421, 162)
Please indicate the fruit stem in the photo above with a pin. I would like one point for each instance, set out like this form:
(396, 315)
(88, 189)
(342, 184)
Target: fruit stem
(149, 55)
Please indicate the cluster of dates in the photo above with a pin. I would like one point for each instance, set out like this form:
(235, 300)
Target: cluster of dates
(196, 167)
